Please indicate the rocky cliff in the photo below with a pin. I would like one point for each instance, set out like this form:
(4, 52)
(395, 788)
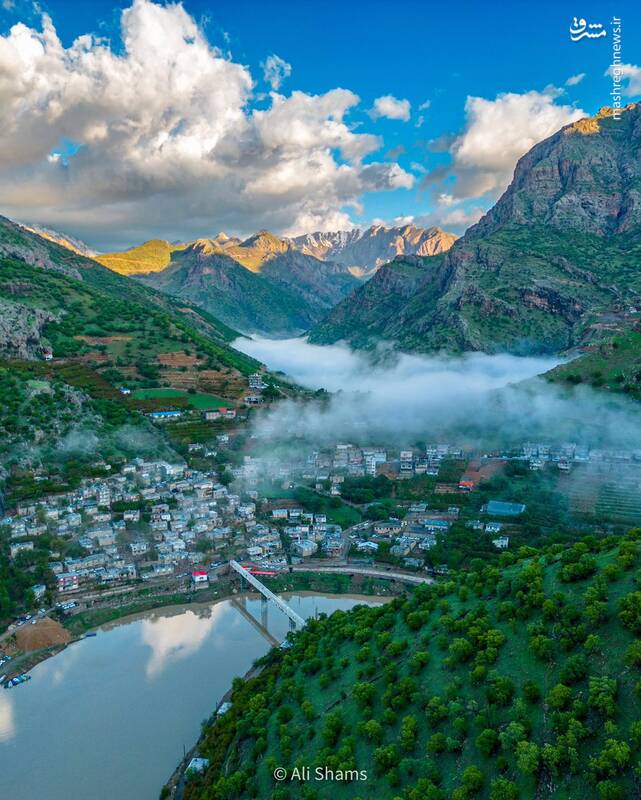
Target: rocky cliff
(562, 243)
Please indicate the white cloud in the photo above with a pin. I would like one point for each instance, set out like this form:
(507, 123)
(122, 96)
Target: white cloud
(275, 70)
(630, 74)
(391, 107)
(460, 219)
(497, 133)
(400, 398)
(573, 80)
(167, 141)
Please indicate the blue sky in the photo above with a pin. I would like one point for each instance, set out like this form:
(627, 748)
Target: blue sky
(430, 53)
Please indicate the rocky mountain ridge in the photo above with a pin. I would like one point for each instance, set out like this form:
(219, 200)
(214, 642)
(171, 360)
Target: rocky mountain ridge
(363, 252)
(560, 245)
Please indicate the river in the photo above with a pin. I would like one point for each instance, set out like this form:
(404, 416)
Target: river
(109, 716)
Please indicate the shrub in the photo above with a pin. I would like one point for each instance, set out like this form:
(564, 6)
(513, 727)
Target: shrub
(437, 743)
(527, 757)
(531, 692)
(559, 697)
(574, 669)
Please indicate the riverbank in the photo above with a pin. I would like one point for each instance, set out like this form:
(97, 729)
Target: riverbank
(222, 589)
(136, 604)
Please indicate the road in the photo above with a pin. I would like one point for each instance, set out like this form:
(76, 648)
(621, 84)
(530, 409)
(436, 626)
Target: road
(374, 573)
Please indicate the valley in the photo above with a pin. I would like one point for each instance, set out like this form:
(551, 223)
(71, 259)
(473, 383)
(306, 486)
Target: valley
(268, 284)
(441, 432)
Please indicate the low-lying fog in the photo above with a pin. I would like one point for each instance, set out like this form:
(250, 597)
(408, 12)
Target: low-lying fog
(402, 397)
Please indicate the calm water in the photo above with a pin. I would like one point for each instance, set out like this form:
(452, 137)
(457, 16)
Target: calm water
(107, 718)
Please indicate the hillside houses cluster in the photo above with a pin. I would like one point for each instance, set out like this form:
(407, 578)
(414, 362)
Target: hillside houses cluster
(145, 522)
(309, 533)
(353, 461)
(344, 460)
(418, 532)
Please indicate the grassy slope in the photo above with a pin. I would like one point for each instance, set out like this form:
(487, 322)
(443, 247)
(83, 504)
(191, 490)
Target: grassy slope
(439, 668)
(151, 256)
(233, 292)
(195, 400)
(613, 364)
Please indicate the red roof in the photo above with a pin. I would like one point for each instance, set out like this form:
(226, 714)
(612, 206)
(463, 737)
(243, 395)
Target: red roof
(199, 573)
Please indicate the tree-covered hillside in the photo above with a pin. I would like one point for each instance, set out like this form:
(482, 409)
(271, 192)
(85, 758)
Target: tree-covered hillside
(516, 681)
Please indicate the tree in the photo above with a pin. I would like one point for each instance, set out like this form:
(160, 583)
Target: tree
(613, 758)
(409, 733)
(372, 730)
(509, 738)
(487, 741)
(473, 779)
(560, 696)
(437, 743)
(574, 669)
(609, 790)
(363, 694)
(633, 655)
(332, 727)
(386, 757)
(542, 647)
(500, 691)
(630, 611)
(527, 757)
(461, 650)
(602, 695)
(502, 789)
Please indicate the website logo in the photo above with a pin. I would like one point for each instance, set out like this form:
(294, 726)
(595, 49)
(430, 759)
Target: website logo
(580, 29)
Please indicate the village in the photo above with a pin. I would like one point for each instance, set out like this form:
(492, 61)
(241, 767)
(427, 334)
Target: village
(173, 523)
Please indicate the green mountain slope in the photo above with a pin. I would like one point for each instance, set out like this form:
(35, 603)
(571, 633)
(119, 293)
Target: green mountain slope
(515, 682)
(55, 301)
(71, 334)
(612, 362)
(563, 241)
(257, 286)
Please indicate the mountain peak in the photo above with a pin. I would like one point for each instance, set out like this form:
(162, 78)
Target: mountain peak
(151, 256)
(266, 241)
(590, 125)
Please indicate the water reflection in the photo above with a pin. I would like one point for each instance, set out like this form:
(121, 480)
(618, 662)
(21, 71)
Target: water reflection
(176, 638)
(7, 721)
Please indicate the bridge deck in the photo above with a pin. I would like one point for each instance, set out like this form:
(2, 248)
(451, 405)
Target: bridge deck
(253, 580)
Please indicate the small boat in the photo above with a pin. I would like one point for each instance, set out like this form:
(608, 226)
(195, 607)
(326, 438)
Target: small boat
(87, 635)
(17, 680)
